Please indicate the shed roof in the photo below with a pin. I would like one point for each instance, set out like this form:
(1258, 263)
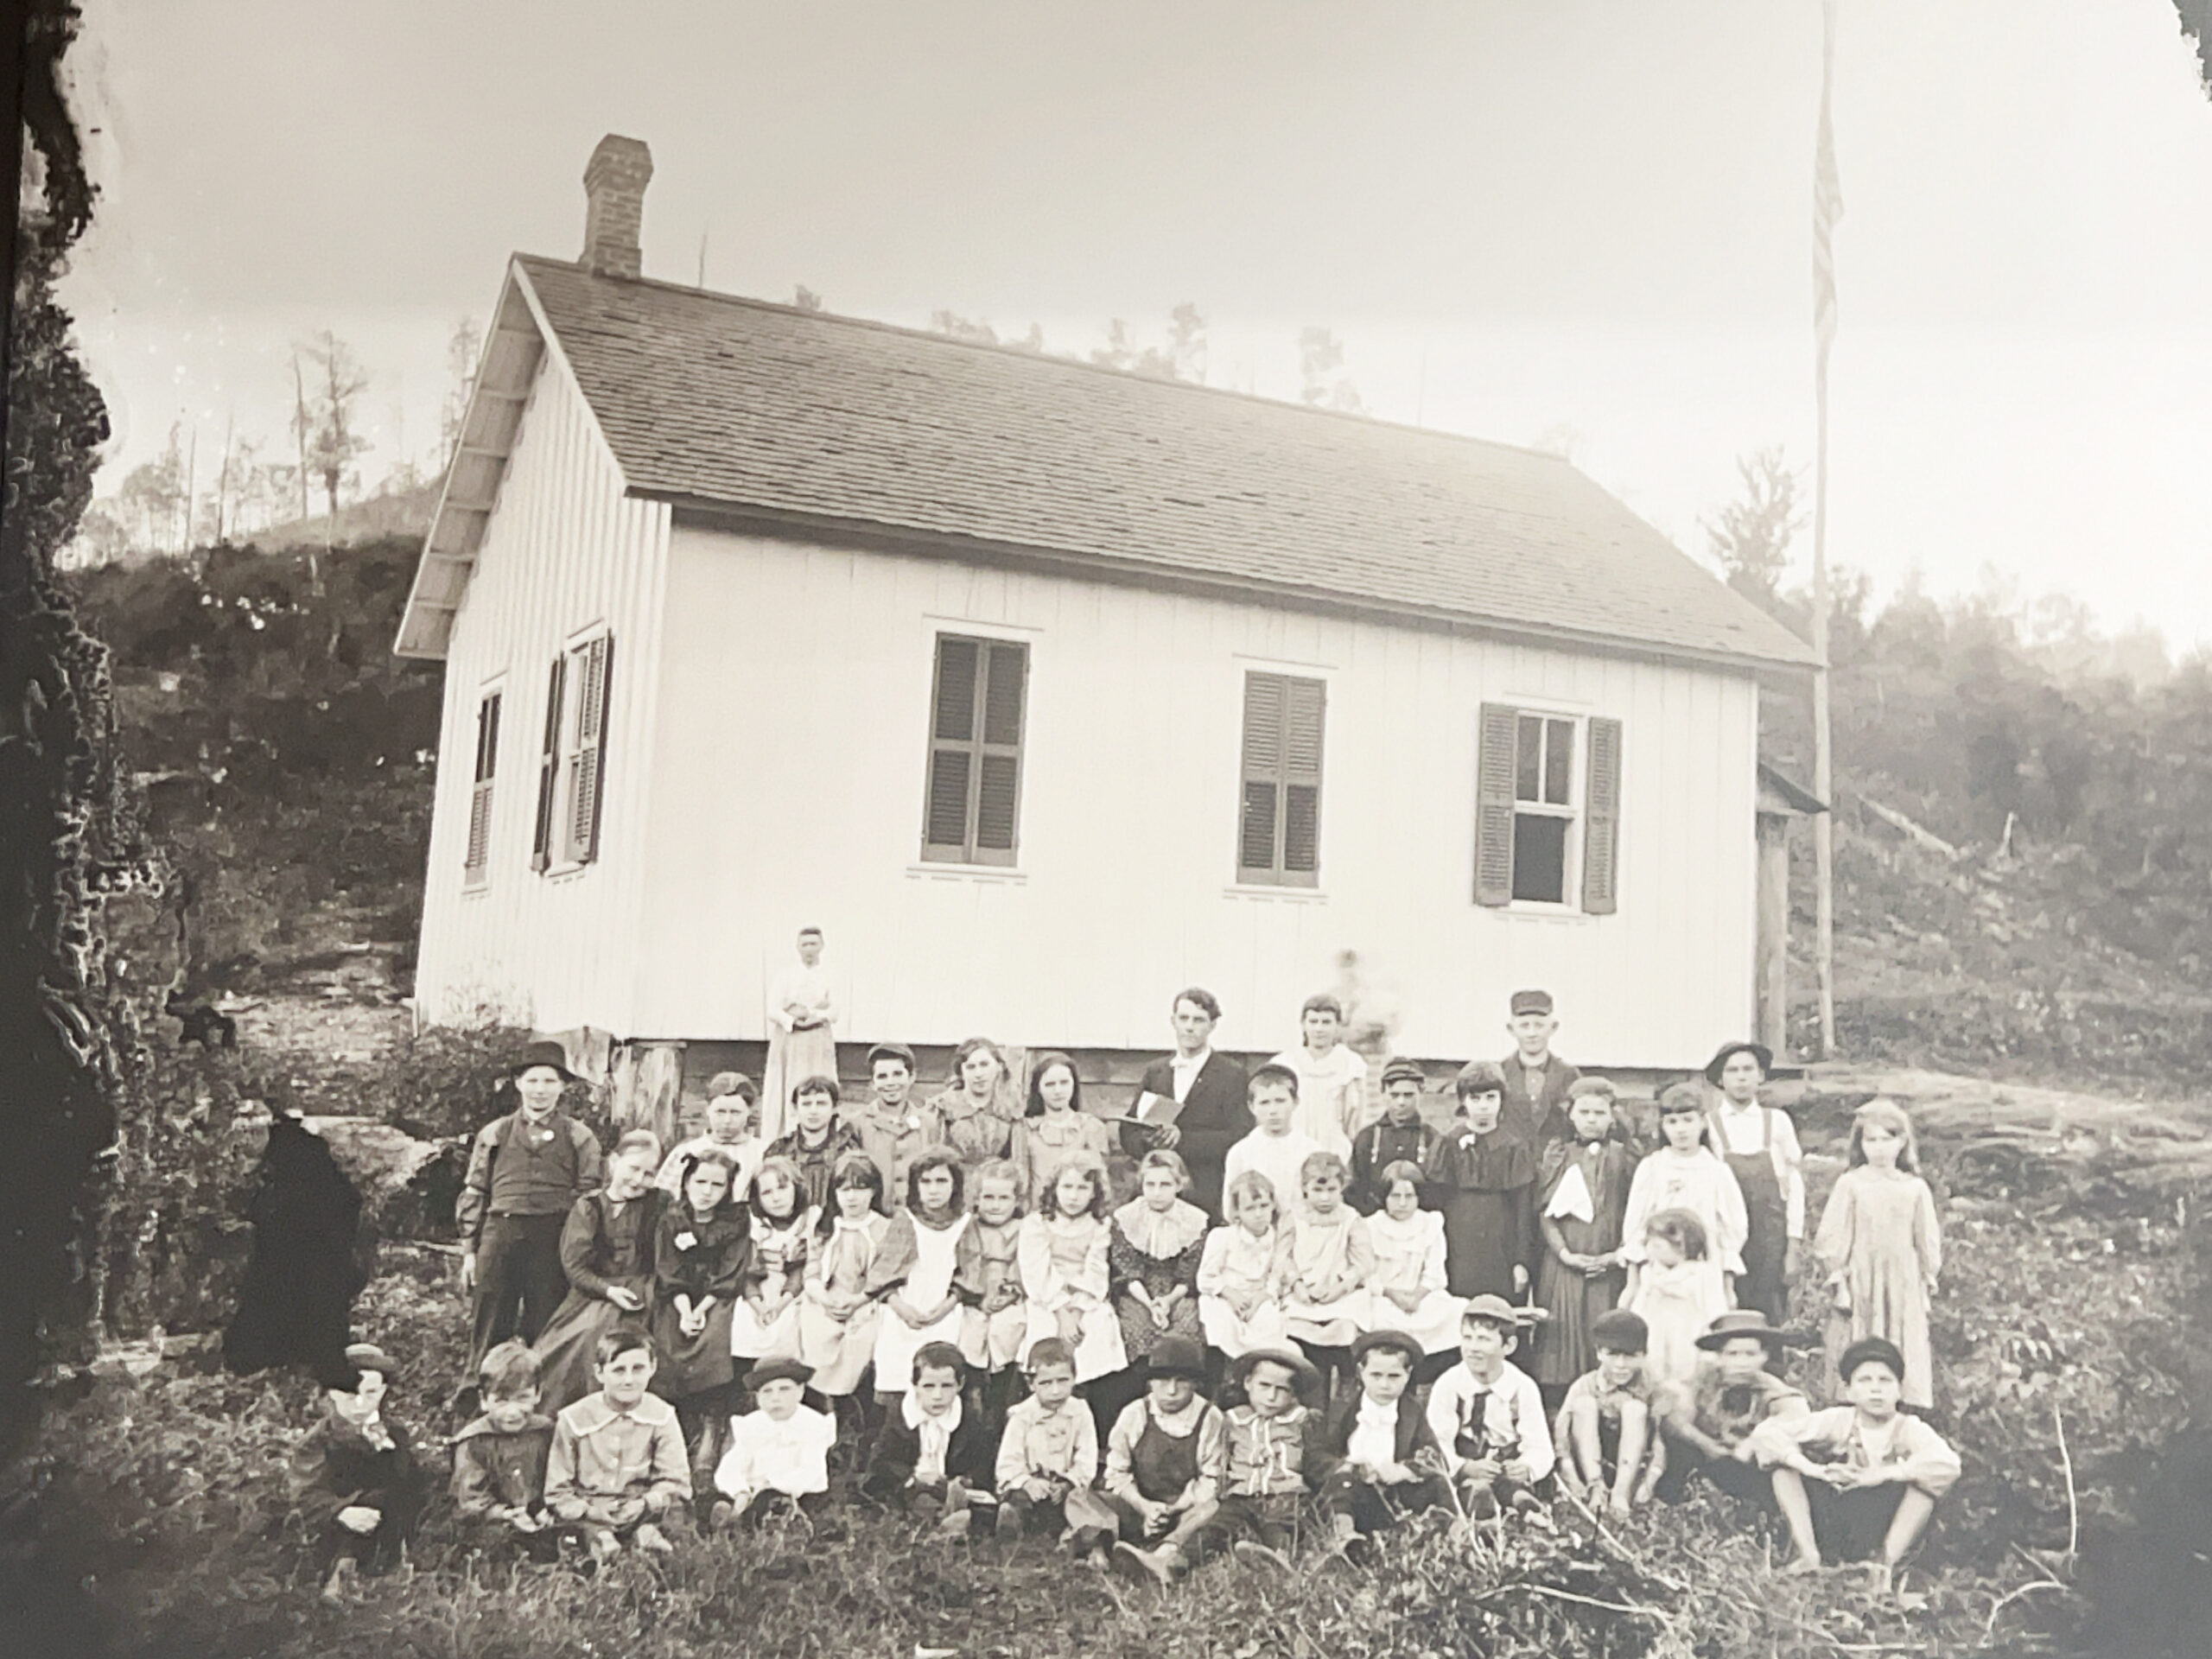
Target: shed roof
(740, 406)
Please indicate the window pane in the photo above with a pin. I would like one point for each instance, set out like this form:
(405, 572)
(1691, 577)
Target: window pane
(956, 691)
(995, 803)
(1559, 761)
(1002, 698)
(1540, 858)
(1301, 842)
(949, 798)
(1529, 758)
(1256, 843)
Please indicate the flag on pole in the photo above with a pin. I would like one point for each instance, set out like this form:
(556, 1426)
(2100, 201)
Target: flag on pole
(1828, 194)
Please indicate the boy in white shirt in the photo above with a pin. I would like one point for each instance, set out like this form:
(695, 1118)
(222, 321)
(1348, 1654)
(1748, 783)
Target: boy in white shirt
(1488, 1414)
(1332, 1077)
(778, 1452)
(1277, 1148)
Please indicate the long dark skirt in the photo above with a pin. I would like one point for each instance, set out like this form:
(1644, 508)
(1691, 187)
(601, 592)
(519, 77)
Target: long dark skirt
(565, 1348)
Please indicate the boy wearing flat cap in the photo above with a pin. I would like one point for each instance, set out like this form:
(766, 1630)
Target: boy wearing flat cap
(894, 1128)
(1536, 1080)
(354, 1480)
(1399, 1135)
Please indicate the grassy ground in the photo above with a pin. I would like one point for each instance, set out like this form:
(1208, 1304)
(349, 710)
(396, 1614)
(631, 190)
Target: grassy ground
(2063, 1307)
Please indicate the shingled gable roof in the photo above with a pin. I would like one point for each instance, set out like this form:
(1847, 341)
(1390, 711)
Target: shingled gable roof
(770, 413)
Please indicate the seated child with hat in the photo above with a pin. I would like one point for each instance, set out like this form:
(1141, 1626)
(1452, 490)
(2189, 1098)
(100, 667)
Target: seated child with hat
(778, 1452)
(1487, 1413)
(1708, 1420)
(1163, 1457)
(618, 1468)
(1859, 1480)
(1272, 1453)
(498, 1459)
(932, 1453)
(1048, 1454)
(1379, 1458)
(353, 1478)
(1611, 1450)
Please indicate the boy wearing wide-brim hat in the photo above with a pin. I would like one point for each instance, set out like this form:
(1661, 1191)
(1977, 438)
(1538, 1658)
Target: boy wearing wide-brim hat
(526, 1170)
(353, 1478)
(1759, 1145)
(1163, 1462)
(1272, 1457)
(1708, 1422)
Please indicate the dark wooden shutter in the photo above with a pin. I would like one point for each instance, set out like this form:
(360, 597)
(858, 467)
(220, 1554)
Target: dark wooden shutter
(1495, 770)
(972, 814)
(1601, 820)
(588, 767)
(1279, 826)
(548, 770)
(475, 861)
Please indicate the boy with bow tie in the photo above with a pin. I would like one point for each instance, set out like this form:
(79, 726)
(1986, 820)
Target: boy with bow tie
(354, 1479)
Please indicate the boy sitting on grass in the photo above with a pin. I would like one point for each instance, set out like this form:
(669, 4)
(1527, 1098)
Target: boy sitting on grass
(779, 1451)
(1608, 1438)
(498, 1459)
(1488, 1414)
(354, 1479)
(1710, 1421)
(933, 1451)
(1273, 1454)
(1378, 1454)
(1163, 1458)
(1048, 1454)
(618, 1468)
(1860, 1480)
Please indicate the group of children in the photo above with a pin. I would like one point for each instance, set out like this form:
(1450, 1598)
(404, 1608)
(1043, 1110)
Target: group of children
(968, 1327)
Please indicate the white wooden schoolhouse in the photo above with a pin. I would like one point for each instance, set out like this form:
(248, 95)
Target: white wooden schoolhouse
(1045, 689)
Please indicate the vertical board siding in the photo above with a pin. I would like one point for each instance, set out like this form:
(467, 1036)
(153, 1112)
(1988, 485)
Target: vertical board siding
(564, 550)
(789, 778)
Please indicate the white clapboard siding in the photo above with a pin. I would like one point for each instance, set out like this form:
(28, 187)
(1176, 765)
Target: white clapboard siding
(564, 552)
(788, 774)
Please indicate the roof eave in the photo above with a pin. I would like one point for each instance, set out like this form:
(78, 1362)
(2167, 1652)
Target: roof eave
(867, 535)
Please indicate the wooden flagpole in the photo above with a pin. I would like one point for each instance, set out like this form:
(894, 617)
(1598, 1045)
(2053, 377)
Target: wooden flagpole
(1828, 207)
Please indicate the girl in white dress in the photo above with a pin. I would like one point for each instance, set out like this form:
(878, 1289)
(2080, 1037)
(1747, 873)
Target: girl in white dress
(1677, 1291)
(764, 1323)
(1686, 1174)
(837, 1318)
(1332, 1077)
(913, 1273)
(1242, 1272)
(1332, 1259)
(1062, 1260)
(1408, 1290)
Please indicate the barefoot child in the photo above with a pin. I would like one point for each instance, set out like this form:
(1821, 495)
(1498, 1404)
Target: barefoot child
(1611, 1450)
(764, 1323)
(730, 1101)
(1882, 1246)
(1048, 1454)
(1408, 1290)
(1399, 1135)
(1062, 1261)
(617, 1469)
(1486, 1413)
(1678, 1292)
(993, 1321)
(354, 1479)
(1276, 1148)
(1163, 1460)
(837, 1318)
(1485, 1179)
(1325, 1297)
(818, 1140)
(931, 1456)
(1859, 1480)
(1242, 1270)
(498, 1460)
(1380, 1459)
(702, 1251)
(1580, 1205)
(779, 1451)
(912, 1274)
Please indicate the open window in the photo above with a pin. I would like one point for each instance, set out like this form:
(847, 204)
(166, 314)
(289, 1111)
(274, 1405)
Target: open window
(1548, 810)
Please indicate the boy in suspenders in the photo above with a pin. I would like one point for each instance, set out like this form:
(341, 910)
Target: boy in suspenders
(1759, 1145)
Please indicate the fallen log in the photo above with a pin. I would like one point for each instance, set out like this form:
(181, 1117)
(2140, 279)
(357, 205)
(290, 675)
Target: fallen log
(1913, 832)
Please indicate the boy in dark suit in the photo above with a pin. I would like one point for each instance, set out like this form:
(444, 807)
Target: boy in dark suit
(1381, 1456)
(354, 1479)
(1209, 1089)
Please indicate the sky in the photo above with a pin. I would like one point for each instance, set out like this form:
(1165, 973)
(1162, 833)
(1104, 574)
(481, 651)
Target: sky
(1570, 223)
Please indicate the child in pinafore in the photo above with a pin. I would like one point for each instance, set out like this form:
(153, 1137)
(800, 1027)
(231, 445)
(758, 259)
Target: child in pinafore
(1485, 1180)
(1409, 1289)
(837, 1318)
(703, 1250)
(1243, 1270)
(1883, 1247)
(1580, 1206)
(606, 1249)
(764, 1323)
(1331, 1259)
(913, 1273)
(1062, 1259)
(1683, 1174)
(993, 1321)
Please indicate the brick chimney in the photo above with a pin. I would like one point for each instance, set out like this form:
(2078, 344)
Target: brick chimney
(614, 195)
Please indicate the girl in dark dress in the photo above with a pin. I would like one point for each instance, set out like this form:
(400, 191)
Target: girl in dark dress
(1485, 1179)
(702, 1252)
(606, 1250)
(1581, 1204)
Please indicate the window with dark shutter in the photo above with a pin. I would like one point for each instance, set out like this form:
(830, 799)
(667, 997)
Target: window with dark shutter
(548, 770)
(1533, 830)
(973, 811)
(1279, 823)
(475, 860)
(589, 664)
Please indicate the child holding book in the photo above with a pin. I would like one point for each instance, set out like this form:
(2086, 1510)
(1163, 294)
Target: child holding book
(1484, 1176)
(1243, 1270)
(1883, 1247)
